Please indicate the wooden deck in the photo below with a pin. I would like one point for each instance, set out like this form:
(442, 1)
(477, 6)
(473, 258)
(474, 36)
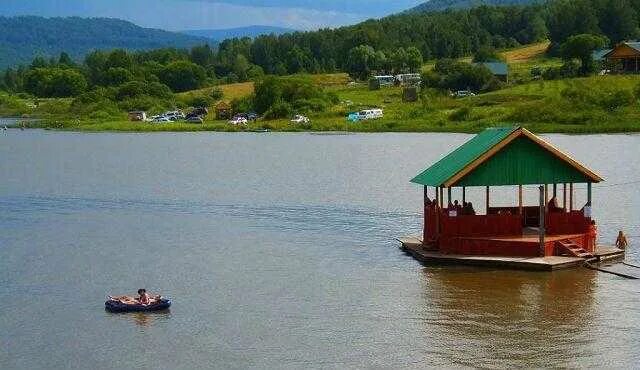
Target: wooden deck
(414, 247)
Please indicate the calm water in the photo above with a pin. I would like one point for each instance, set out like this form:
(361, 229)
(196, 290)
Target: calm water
(279, 251)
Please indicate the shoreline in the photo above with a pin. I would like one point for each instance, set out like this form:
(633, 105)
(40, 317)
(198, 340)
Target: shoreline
(332, 128)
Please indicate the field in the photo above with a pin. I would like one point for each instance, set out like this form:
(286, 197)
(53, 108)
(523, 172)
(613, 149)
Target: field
(581, 105)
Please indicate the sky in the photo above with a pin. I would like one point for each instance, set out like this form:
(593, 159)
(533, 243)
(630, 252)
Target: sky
(177, 15)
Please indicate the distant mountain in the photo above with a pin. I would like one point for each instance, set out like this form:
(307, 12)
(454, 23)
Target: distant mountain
(439, 5)
(228, 33)
(22, 38)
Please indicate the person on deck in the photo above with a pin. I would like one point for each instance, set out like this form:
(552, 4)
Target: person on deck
(470, 211)
(621, 240)
(553, 205)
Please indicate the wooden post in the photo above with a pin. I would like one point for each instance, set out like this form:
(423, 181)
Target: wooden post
(437, 208)
(441, 197)
(589, 193)
(564, 197)
(464, 194)
(542, 215)
(449, 196)
(546, 194)
(424, 209)
(570, 197)
(555, 190)
(487, 199)
(520, 200)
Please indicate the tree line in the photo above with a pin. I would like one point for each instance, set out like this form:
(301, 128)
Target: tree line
(393, 44)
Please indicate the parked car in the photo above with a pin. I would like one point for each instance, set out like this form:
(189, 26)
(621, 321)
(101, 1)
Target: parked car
(174, 115)
(370, 114)
(463, 93)
(298, 118)
(252, 116)
(161, 119)
(199, 111)
(195, 119)
(353, 117)
(238, 121)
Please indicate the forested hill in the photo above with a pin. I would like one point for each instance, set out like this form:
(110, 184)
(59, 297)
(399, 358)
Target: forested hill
(438, 5)
(22, 38)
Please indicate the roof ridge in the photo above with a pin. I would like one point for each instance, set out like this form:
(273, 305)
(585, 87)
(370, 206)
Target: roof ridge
(476, 151)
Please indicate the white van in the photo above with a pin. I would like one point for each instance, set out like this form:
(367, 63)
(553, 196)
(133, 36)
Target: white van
(370, 114)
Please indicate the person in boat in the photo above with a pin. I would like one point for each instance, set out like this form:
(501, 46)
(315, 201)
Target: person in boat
(621, 240)
(143, 297)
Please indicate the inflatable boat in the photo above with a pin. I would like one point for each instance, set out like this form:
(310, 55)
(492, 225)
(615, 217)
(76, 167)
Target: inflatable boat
(113, 305)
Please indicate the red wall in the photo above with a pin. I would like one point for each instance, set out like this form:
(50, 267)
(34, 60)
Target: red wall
(457, 233)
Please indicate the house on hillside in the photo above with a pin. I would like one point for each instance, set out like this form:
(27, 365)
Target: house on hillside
(223, 110)
(499, 69)
(623, 58)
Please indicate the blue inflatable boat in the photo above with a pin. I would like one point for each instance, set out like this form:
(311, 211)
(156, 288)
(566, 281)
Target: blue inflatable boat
(113, 305)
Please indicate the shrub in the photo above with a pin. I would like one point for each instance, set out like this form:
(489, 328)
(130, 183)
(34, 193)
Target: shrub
(460, 114)
(199, 101)
(298, 92)
(453, 75)
(568, 70)
(244, 104)
(605, 99)
(279, 109)
(217, 93)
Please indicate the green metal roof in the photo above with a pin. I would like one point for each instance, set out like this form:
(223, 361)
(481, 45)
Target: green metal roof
(522, 159)
(522, 162)
(457, 160)
(496, 68)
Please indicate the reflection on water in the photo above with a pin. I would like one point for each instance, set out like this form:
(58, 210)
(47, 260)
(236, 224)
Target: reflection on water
(279, 251)
(142, 319)
(498, 318)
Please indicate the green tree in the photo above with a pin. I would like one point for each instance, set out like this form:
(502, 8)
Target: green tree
(582, 47)
(399, 60)
(54, 82)
(487, 54)
(183, 76)
(65, 60)
(202, 55)
(116, 76)
(360, 60)
(414, 59)
(618, 20)
(571, 17)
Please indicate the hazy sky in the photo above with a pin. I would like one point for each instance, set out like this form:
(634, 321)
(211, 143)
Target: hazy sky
(198, 14)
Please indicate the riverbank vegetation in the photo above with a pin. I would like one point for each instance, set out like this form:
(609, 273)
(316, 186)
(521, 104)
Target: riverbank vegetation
(551, 86)
(581, 105)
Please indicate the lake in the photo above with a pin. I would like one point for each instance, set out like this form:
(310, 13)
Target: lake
(278, 251)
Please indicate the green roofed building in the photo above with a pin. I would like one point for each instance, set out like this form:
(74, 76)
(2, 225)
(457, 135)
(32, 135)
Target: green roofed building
(508, 156)
(505, 156)
(498, 69)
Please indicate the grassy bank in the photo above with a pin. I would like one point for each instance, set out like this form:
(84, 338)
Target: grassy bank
(585, 105)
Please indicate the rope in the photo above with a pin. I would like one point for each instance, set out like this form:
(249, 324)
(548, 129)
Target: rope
(630, 265)
(592, 267)
(619, 184)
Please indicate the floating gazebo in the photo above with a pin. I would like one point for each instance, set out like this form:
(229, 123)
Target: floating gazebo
(546, 235)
